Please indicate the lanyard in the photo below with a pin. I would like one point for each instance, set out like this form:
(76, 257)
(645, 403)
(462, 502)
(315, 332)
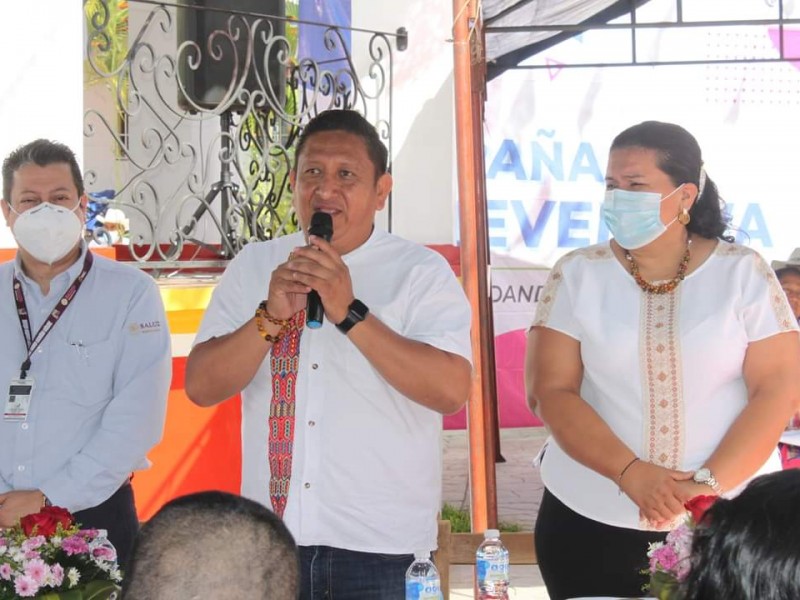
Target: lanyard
(33, 342)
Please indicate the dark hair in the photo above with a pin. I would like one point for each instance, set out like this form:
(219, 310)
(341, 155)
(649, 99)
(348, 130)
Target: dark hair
(40, 152)
(351, 122)
(679, 156)
(213, 545)
(787, 270)
(747, 548)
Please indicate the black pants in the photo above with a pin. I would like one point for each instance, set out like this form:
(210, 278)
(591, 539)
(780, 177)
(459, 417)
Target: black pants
(582, 557)
(117, 515)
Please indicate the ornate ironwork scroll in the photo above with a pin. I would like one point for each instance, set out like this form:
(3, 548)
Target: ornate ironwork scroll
(192, 140)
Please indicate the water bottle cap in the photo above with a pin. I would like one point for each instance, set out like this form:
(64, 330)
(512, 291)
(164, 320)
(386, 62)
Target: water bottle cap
(421, 554)
(491, 533)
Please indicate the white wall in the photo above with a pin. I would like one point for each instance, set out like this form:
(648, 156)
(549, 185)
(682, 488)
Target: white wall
(41, 81)
(423, 144)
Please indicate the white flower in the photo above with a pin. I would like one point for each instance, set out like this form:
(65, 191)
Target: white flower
(73, 576)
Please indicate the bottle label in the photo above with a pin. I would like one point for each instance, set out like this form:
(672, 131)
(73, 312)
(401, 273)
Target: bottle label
(492, 570)
(427, 589)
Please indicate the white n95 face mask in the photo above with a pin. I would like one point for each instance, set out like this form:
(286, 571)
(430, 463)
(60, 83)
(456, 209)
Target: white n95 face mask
(48, 232)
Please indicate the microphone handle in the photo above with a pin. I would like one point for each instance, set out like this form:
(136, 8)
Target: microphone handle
(315, 312)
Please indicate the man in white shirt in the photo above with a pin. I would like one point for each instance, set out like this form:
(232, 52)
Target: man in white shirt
(85, 356)
(354, 465)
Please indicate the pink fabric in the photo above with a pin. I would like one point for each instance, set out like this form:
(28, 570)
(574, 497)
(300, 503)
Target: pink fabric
(509, 351)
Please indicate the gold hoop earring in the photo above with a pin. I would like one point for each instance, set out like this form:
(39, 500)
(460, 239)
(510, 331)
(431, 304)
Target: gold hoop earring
(684, 217)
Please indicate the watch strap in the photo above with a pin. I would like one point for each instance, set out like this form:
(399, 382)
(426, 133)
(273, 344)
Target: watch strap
(356, 312)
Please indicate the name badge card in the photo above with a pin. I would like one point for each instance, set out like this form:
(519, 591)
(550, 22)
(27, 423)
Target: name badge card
(18, 401)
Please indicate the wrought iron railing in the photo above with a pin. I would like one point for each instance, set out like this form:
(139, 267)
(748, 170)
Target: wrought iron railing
(192, 113)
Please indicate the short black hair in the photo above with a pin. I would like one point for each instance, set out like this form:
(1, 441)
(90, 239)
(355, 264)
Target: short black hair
(213, 545)
(679, 156)
(40, 152)
(746, 547)
(351, 122)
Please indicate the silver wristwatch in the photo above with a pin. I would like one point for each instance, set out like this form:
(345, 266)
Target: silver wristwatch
(705, 476)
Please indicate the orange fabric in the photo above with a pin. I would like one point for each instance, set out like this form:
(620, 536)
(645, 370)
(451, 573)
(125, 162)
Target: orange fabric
(201, 450)
(7, 254)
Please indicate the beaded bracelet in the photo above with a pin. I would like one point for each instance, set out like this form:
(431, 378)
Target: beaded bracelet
(261, 313)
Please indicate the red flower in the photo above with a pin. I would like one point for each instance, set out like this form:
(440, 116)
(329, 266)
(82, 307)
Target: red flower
(698, 506)
(46, 521)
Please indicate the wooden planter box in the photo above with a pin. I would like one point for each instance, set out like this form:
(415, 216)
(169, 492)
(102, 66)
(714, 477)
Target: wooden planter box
(460, 548)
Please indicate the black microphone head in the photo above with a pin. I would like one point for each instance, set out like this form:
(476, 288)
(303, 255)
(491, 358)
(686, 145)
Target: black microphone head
(321, 226)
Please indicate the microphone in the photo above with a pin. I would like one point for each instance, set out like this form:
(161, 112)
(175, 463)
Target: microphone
(321, 226)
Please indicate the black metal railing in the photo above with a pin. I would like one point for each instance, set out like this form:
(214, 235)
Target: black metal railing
(191, 116)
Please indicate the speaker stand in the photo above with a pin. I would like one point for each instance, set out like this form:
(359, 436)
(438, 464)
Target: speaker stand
(225, 190)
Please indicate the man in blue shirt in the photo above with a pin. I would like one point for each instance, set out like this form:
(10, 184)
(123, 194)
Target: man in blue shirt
(85, 359)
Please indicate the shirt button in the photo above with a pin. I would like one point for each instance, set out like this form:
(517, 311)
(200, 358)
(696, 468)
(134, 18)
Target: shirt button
(315, 366)
(21, 468)
(311, 423)
(25, 426)
(40, 350)
(308, 485)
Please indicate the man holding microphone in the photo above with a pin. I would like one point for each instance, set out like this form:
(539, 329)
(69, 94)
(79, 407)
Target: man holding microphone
(341, 422)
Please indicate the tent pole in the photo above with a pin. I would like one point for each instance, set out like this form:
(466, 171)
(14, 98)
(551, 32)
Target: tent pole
(474, 264)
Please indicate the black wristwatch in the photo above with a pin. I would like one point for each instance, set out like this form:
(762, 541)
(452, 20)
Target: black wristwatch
(356, 312)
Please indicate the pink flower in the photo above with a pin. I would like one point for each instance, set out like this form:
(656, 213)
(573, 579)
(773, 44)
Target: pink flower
(56, 575)
(36, 570)
(33, 543)
(5, 571)
(104, 553)
(74, 544)
(25, 587)
(89, 534)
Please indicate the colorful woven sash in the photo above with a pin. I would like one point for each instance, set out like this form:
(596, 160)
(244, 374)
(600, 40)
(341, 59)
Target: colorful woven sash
(284, 364)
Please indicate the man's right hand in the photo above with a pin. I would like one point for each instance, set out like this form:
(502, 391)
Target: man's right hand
(286, 295)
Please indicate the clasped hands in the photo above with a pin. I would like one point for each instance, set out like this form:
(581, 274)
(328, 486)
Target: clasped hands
(17, 504)
(317, 267)
(660, 493)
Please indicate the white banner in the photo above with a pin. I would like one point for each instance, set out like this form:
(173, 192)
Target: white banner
(547, 134)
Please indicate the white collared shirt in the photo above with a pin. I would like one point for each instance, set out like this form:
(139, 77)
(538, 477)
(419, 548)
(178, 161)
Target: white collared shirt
(101, 376)
(366, 472)
(663, 371)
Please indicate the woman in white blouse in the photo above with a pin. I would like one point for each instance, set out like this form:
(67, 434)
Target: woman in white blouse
(665, 363)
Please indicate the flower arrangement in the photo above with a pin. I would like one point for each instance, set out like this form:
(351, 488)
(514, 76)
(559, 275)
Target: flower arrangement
(670, 560)
(48, 556)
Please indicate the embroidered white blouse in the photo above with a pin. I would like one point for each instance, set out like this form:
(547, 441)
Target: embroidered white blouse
(664, 371)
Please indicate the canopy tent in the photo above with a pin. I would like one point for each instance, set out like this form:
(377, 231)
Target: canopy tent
(518, 29)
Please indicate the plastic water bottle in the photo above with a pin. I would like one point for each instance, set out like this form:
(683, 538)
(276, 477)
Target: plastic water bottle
(422, 579)
(491, 567)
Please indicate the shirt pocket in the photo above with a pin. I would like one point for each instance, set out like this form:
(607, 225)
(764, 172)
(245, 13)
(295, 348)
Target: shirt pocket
(85, 370)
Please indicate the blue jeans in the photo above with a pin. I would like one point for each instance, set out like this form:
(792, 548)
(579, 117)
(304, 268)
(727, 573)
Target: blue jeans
(334, 574)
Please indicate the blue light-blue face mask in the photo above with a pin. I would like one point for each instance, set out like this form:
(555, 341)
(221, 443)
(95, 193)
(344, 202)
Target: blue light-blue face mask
(634, 218)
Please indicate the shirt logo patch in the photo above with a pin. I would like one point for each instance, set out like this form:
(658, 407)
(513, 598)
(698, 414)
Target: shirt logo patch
(145, 327)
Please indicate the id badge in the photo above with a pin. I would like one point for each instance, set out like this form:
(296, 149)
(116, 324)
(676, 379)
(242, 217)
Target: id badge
(18, 401)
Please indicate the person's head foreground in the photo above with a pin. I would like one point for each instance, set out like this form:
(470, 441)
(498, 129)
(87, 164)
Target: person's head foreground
(44, 201)
(341, 169)
(213, 545)
(789, 277)
(666, 159)
(747, 547)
